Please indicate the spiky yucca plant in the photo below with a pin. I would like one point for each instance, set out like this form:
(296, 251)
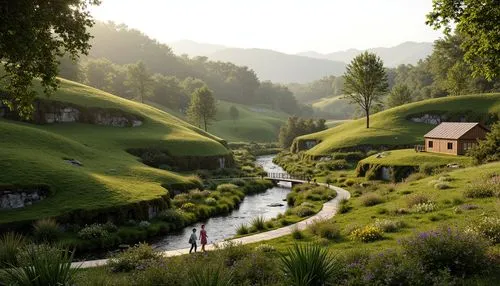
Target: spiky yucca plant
(43, 266)
(309, 264)
(211, 277)
(10, 244)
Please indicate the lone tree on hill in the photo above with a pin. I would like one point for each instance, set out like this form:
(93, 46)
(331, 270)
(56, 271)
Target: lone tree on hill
(33, 35)
(365, 82)
(202, 107)
(234, 113)
(140, 80)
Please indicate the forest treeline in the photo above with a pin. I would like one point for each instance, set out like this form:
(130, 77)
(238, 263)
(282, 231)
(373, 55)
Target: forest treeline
(443, 73)
(170, 80)
(129, 64)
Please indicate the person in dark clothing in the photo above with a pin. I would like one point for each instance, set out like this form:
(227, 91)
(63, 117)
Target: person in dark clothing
(192, 241)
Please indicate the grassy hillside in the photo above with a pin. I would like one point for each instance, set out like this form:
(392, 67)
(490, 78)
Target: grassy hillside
(35, 154)
(334, 107)
(391, 127)
(408, 157)
(254, 123)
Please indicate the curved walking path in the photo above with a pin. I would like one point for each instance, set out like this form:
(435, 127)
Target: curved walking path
(329, 210)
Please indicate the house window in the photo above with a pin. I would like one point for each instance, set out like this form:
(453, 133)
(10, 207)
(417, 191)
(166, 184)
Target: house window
(431, 144)
(450, 146)
(468, 145)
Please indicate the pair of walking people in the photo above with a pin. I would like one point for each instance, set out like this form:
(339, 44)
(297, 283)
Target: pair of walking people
(193, 239)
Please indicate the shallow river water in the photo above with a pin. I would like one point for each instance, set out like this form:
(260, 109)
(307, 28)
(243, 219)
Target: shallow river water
(220, 228)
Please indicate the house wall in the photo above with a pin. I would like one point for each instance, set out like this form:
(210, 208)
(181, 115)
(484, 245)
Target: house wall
(475, 133)
(441, 146)
(464, 145)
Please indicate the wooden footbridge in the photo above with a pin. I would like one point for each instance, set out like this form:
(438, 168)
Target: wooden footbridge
(276, 177)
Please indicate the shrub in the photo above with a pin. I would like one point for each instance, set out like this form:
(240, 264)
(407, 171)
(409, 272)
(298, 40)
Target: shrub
(211, 201)
(46, 230)
(210, 276)
(368, 233)
(110, 227)
(144, 224)
(303, 211)
(265, 248)
(441, 186)
(172, 216)
(344, 206)
(43, 266)
(258, 223)
(93, 232)
(296, 233)
(417, 199)
(189, 207)
(309, 265)
(242, 229)
(227, 188)
(133, 258)
(482, 189)
(349, 182)
(371, 200)
(388, 225)
(460, 253)
(488, 227)
(427, 168)
(238, 182)
(424, 208)
(415, 177)
(10, 244)
(324, 229)
(391, 268)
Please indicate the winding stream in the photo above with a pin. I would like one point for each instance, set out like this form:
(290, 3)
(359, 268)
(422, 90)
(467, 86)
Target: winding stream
(220, 228)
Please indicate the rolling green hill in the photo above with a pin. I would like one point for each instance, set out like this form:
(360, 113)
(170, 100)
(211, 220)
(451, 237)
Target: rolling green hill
(36, 154)
(392, 128)
(257, 124)
(334, 107)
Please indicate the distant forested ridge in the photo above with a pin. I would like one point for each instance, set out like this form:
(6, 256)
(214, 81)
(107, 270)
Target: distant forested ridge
(170, 79)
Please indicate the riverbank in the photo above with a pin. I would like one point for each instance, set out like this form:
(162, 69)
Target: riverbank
(329, 210)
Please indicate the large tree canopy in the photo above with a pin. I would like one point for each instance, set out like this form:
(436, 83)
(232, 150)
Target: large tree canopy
(33, 35)
(478, 21)
(365, 82)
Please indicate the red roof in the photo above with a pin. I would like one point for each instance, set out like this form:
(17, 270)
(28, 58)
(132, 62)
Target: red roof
(452, 130)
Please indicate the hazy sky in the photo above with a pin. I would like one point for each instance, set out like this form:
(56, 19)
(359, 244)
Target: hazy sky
(288, 26)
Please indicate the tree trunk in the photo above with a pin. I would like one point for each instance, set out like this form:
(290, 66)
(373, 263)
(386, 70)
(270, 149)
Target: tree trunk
(205, 121)
(367, 118)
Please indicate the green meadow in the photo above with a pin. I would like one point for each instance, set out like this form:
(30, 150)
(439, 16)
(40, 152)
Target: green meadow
(392, 128)
(36, 154)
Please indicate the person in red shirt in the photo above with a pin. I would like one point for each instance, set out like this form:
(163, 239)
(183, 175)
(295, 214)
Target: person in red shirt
(203, 237)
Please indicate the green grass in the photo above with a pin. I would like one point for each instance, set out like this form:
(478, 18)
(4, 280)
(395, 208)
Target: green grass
(445, 215)
(334, 107)
(408, 157)
(254, 124)
(33, 154)
(391, 127)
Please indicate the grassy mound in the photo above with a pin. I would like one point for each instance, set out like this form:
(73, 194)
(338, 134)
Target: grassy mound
(392, 128)
(109, 177)
(334, 107)
(408, 157)
(254, 124)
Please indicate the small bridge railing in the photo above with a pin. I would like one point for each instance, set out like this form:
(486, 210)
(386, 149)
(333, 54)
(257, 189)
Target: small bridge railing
(419, 148)
(286, 176)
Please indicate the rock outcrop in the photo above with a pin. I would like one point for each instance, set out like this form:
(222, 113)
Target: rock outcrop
(20, 197)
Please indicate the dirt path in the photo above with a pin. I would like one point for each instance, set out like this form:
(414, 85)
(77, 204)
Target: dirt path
(329, 210)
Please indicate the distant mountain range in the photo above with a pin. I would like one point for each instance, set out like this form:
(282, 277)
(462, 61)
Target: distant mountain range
(303, 67)
(405, 53)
